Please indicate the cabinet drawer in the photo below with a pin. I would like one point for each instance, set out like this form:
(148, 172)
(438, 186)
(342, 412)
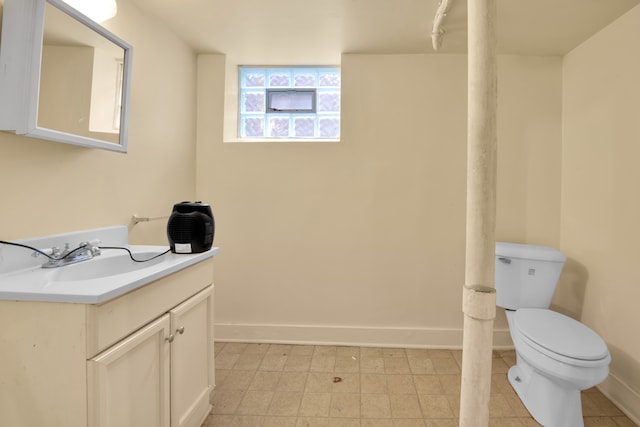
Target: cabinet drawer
(113, 320)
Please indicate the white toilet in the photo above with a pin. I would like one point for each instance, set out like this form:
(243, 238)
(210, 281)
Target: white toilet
(557, 356)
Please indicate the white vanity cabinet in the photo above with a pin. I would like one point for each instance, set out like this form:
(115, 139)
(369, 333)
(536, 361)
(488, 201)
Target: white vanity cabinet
(158, 376)
(141, 359)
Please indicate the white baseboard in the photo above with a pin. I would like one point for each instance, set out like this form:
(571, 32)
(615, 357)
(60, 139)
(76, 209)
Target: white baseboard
(351, 336)
(623, 396)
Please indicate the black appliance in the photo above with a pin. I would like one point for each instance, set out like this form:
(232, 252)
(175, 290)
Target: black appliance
(190, 228)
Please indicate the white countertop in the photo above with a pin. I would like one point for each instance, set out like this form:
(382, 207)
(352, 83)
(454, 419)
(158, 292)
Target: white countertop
(32, 284)
(94, 281)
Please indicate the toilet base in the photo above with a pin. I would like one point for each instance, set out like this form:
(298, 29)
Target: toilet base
(551, 403)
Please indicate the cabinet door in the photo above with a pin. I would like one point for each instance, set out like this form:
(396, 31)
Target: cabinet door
(192, 360)
(129, 382)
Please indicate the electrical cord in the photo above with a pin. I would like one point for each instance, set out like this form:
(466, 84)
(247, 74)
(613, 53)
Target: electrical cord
(131, 254)
(20, 245)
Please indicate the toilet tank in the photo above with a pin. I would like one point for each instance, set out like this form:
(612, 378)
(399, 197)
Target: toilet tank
(526, 275)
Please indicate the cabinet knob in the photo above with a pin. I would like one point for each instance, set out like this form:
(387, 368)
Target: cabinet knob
(170, 338)
(180, 330)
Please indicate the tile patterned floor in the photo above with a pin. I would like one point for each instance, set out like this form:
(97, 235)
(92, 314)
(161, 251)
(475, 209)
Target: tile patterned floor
(272, 385)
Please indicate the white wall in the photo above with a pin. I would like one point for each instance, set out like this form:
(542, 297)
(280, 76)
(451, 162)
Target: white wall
(50, 188)
(362, 241)
(600, 199)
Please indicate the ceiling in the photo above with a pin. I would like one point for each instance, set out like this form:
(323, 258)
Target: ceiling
(318, 31)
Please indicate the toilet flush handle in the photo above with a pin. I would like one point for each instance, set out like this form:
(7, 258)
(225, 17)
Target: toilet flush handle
(504, 259)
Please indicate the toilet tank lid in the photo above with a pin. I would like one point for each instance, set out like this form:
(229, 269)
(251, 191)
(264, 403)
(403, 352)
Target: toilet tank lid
(533, 252)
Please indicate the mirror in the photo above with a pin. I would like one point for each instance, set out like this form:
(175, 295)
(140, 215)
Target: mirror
(63, 77)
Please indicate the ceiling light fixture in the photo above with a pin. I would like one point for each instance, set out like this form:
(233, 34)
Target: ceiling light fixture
(98, 10)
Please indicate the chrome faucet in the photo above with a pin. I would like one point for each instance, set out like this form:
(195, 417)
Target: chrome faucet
(85, 251)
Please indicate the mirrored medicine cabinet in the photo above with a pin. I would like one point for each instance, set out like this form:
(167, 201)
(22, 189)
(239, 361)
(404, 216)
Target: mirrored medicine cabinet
(63, 77)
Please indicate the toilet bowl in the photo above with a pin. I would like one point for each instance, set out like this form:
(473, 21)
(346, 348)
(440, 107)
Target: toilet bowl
(556, 356)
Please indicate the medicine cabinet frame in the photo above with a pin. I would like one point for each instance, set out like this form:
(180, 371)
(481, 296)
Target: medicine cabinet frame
(21, 48)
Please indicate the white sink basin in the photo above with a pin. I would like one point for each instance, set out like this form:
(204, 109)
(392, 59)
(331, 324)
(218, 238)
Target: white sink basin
(103, 266)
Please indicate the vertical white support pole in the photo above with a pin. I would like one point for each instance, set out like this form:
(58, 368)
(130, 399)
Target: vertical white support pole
(479, 289)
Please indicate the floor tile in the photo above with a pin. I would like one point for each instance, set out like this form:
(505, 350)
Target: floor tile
(428, 384)
(236, 380)
(234, 348)
(347, 364)
(400, 384)
(315, 405)
(373, 383)
(322, 363)
(256, 349)
(302, 350)
(394, 352)
(283, 385)
(435, 406)
(285, 403)
(408, 423)
(499, 407)
(312, 422)
(292, 381)
(421, 366)
(375, 406)
(348, 351)
(226, 402)
(297, 363)
(279, 422)
(226, 360)
(344, 422)
(248, 421)
(248, 362)
(345, 382)
(372, 352)
(405, 406)
(445, 366)
(599, 422)
(376, 423)
(255, 403)
(273, 362)
(396, 365)
(450, 383)
(265, 381)
(319, 382)
(325, 350)
(345, 405)
(372, 365)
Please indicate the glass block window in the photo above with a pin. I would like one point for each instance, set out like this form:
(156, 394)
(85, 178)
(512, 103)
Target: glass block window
(275, 102)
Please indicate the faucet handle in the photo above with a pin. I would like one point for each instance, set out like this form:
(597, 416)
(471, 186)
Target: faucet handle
(92, 245)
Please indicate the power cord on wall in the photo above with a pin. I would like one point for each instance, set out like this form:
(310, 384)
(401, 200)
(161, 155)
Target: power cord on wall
(39, 251)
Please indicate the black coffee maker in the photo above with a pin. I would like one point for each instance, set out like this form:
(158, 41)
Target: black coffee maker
(190, 228)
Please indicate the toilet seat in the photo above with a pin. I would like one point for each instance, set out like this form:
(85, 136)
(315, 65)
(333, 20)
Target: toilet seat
(560, 337)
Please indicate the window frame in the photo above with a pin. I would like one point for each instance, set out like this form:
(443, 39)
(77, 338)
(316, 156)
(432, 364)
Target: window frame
(256, 122)
(269, 101)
